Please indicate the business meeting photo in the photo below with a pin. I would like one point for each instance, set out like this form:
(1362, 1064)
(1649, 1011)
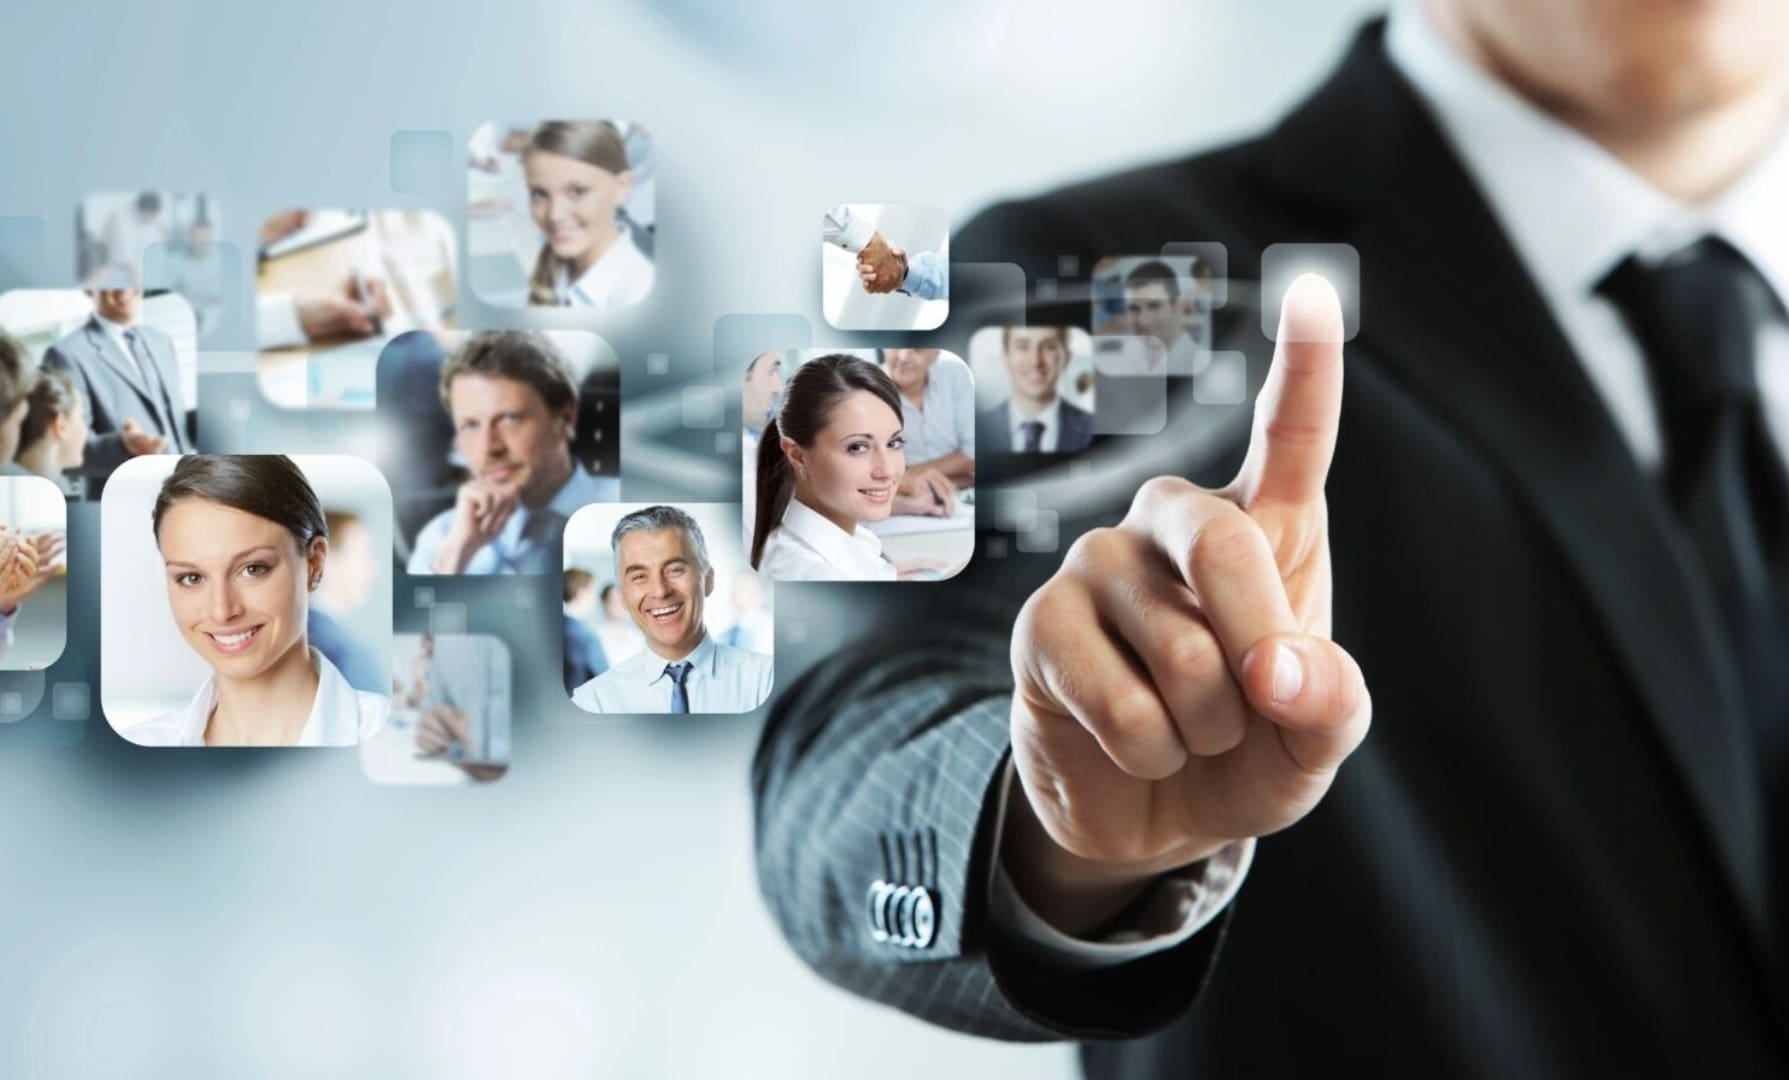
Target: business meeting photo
(492, 441)
(697, 635)
(333, 285)
(92, 378)
(153, 239)
(215, 623)
(450, 713)
(1035, 388)
(884, 267)
(561, 214)
(33, 573)
(858, 464)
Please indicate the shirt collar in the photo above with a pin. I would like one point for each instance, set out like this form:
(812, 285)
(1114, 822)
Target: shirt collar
(579, 489)
(1572, 209)
(110, 328)
(648, 667)
(847, 551)
(1050, 417)
(334, 705)
(591, 286)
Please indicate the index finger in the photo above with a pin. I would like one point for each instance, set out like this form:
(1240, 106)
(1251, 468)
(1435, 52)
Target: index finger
(1300, 406)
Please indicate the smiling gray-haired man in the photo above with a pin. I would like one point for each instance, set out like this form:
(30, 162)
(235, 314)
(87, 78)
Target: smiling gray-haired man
(663, 569)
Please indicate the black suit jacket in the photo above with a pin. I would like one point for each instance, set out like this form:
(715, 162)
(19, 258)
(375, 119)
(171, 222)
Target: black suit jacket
(1547, 858)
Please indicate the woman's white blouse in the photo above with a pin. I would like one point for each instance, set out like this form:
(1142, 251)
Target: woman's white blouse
(340, 714)
(807, 547)
(622, 276)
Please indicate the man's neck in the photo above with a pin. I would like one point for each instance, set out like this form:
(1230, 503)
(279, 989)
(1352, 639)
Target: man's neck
(1692, 157)
(673, 653)
(551, 483)
(1033, 407)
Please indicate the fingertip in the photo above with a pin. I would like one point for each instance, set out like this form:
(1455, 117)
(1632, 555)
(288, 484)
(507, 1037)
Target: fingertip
(1300, 681)
(1311, 310)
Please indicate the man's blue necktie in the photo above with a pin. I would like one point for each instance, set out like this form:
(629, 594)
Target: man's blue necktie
(1033, 430)
(680, 700)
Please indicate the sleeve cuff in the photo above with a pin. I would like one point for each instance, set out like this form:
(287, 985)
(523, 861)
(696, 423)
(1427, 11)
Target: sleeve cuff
(276, 322)
(852, 232)
(1176, 908)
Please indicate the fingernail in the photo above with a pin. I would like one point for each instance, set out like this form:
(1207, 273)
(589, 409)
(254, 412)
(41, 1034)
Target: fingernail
(1288, 674)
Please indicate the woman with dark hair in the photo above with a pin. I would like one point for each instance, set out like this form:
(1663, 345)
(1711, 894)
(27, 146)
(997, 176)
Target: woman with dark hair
(53, 436)
(828, 461)
(244, 542)
(578, 177)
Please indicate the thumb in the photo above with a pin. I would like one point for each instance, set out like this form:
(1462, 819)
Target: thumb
(1313, 691)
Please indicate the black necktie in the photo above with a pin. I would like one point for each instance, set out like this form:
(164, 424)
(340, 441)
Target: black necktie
(1698, 316)
(1033, 430)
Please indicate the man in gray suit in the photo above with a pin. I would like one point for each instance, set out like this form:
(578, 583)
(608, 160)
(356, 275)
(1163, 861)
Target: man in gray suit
(130, 381)
(1035, 419)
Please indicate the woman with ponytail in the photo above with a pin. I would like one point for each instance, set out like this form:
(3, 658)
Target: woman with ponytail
(830, 459)
(578, 177)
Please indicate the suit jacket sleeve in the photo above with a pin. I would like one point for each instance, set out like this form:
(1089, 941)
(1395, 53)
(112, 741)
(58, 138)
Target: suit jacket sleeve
(104, 451)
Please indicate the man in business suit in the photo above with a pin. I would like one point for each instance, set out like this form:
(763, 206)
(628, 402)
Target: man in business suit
(1558, 558)
(1035, 419)
(129, 377)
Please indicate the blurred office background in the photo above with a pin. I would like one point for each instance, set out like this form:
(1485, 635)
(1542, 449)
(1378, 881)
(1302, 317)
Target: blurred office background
(594, 913)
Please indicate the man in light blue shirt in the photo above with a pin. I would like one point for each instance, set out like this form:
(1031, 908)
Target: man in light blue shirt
(662, 563)
(515, 410)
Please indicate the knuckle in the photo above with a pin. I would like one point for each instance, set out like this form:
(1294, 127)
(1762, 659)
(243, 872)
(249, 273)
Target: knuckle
(1096, 550)
(1159, 489)
(1227, 540)
(1195, 656)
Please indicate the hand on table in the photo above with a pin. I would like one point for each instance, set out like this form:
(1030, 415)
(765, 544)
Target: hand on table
(1176, 688)
(348, 313)
(925, 492)
(442, 726)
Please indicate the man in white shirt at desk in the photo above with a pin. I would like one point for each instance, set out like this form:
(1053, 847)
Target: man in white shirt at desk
(662, 563)
(515, 410)
(1152, 306)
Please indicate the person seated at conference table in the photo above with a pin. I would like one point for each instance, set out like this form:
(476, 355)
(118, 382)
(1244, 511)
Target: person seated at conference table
(53, 435)
(578, 177)
(244, 542)
(937, 412)
(661, 560)
(514, 406)
(830, 460)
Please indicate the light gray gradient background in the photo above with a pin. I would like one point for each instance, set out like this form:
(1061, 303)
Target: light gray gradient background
(205, 913)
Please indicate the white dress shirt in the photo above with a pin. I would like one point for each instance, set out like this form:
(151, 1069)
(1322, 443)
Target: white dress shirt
(621, 276)
(807, 547)
(340, 715)
(721, 679)
(944, 422)
(1051, 418)
(526, 545)
(848, 230)
(114, 333)
(1573, 212)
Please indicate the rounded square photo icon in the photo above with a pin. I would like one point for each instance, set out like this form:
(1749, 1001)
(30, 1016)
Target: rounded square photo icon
(492, 441)
(858, 464)
(246, 603)
(884, 267)
(106, 374)
(1036, 388)
(561, 214)
(450, 713)
(334, 285)
(662, 614)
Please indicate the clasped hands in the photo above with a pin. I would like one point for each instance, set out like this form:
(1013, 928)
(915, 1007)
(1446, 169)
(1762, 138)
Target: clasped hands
(881, 266)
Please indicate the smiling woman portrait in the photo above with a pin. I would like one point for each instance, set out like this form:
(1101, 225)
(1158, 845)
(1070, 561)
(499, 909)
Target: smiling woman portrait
(244, 544)
(578, 176)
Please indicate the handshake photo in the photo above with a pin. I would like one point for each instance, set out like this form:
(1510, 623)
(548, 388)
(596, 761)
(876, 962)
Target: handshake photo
(881, 266)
